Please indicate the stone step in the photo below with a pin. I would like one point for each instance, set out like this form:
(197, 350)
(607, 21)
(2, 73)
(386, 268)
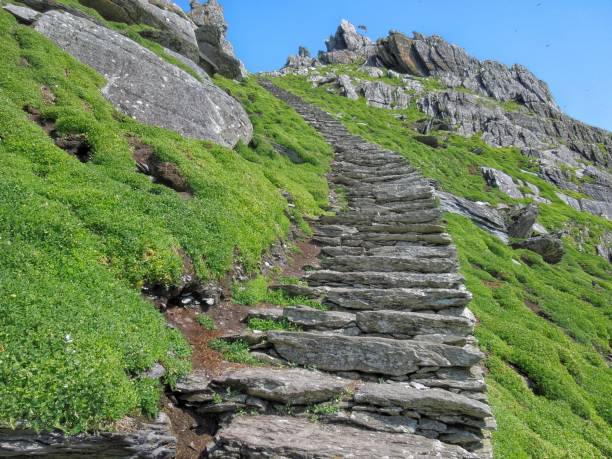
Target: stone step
(290, 386)
(401, 299)
(411, 324)
(378, 230)
(299, 438)
(358, 218)
(370, 240)
(391, 263)
(369, 205)
(373, 355)
(373, 279)
(403, 250)
(432, 403)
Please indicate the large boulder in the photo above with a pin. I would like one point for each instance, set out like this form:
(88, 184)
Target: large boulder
(549, 247)
(481, 214)
(216, 52)
(174, 29)
(144, 438)
(142, 85)
(521, 220)
(347, 46)
(498, 179)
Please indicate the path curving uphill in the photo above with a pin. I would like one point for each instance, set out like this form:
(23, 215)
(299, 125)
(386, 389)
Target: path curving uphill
(392, 368)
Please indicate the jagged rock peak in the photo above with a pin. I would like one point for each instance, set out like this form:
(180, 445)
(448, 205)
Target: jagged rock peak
(347, 37)
(434, 56)
(216, 52)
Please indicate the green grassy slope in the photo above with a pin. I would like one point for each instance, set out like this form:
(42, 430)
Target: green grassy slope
(78, 240)
(546, 329)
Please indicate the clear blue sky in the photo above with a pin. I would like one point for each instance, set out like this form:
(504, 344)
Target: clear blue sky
(567, 43)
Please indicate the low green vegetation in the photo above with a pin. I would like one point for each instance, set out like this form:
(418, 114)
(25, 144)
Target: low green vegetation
(546, 329)
(257, 291)
(79, 239)
(206, 322)
(234, 351)
(265, 325)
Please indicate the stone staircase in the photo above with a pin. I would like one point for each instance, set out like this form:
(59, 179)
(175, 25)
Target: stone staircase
(391, 369)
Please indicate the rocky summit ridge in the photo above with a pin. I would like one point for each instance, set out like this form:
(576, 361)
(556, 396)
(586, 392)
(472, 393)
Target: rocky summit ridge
(524, 115)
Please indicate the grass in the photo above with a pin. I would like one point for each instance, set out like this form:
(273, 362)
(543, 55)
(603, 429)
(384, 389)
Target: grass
(265, 325)
(546, 329)
(257, 291)
(235, 351)
(80, 239)
(206, 322)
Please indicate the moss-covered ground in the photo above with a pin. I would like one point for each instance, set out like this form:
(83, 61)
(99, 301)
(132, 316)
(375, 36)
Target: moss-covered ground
(546, 329)
(78, 240)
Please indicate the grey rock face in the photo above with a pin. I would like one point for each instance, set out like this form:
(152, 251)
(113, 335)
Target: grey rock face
(146, 439)
(521, 221)
(550, 247)
(294, 386)
(285, 437)
(216, 52)
(143, 86)
(176, 31)
(313, 318)
(368, 355)
(429, 402)
(501, 180)
(432, 56)
(482, 215)
(347, 88)
(383, 95)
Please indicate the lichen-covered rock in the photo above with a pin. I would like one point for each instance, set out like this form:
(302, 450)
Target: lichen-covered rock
(174, 29)
(144, 86)
(216, 52)
(298, 438)
(143, 439)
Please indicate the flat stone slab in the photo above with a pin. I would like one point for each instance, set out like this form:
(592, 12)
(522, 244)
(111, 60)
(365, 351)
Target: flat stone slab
(368, 354)
(405, 299)
(413, 323)
(294, 386)
(297, 438)
(314, 318)
(375, 279)
(430, 402)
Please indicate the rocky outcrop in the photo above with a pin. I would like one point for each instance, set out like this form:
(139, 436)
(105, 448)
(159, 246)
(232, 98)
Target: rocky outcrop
(141, 439)
(173, 29)
(480, 213)
(520, 220)
(347, 46)
(216, 52)
(433, 56)
(142, 85)
(549, 247)
(501, 180)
